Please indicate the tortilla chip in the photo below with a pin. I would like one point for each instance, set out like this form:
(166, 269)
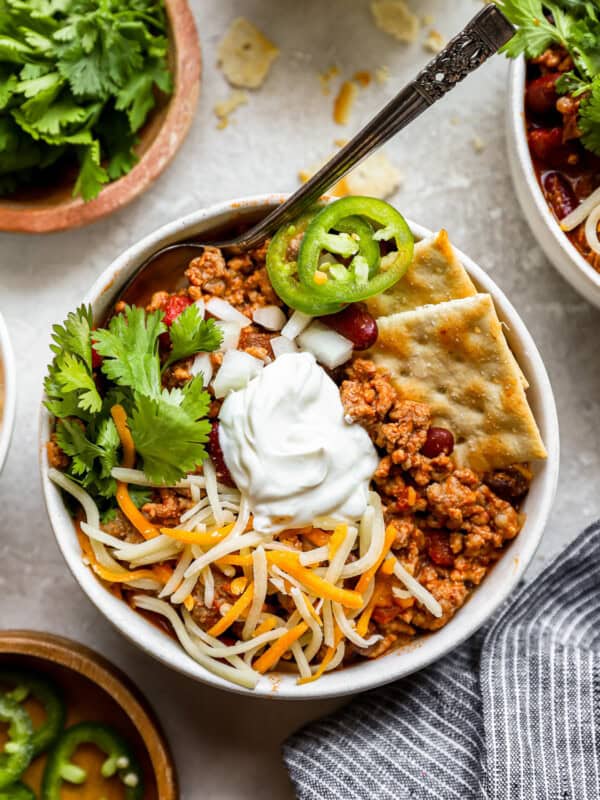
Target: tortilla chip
(396, 18)
(454, 357)
(245, 55)
(435, 276)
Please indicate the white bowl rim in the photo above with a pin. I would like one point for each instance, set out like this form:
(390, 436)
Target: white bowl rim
(8, 368)
(366, 675)
(566, 258)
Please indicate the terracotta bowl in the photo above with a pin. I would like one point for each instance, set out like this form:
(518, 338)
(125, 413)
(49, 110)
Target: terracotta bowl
(401, 662)
(94, 690)
(53, 208)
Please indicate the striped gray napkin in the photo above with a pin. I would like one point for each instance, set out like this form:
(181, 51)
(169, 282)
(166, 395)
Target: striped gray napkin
(513, 714)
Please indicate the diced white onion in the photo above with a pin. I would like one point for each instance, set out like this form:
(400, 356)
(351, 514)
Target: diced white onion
(270, 317)
(591, 230)
(281, 345)
(329, 347)
(202, 365)
(201, 306)
(295, 324)
(236, 371)
(230, 335)
(221, 309)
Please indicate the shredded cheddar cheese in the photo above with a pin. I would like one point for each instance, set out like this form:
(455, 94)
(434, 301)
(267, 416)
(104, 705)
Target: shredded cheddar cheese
(317, 585)
(207, 539)
(234, 613)
(271, 656)
(365, 578)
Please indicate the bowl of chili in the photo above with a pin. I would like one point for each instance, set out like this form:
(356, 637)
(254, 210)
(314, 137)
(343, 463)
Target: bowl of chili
(501, 580)
(548, 187)
(8, 391)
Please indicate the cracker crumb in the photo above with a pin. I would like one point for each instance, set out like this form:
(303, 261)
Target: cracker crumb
(396, 18)
(434, 42)
(342, 106)
(478, 144)
(245, 55)
(326, 78)
(382, 74)
(375, 177)
(363, 78)
(226, 107)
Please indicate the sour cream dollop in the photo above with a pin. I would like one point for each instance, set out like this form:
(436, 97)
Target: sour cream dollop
(290, 450)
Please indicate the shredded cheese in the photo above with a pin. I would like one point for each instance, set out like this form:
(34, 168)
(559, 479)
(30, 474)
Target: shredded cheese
(315, 583)
(368, 574)
(234, 613)
(269, 659)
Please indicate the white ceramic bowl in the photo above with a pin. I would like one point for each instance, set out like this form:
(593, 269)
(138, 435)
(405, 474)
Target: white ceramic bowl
(553, 241)
(8, 391)
(498, 584)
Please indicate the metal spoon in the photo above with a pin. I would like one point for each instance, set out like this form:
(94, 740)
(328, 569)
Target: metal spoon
(480, 38)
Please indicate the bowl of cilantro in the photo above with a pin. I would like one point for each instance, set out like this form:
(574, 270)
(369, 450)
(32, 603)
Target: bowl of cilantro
(95, 99)
(553, 132)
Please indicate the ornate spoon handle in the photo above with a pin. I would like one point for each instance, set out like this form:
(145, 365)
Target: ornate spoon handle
(481, 38)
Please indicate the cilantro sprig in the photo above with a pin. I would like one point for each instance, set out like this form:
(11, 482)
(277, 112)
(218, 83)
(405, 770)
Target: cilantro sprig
(169, 427)
(77, 81)
(575, 26)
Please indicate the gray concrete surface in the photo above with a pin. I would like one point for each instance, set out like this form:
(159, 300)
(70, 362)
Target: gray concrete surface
(227, 747)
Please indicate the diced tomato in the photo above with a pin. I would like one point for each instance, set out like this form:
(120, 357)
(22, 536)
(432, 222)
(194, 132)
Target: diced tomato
(96, 357)
(438, 549)
(174, 306)
(546, 144)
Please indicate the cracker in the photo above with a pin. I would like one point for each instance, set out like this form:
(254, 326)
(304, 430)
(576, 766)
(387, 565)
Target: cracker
(245, 55)
(375, 177)
(454, 357)
(435, 276)
(396, 18)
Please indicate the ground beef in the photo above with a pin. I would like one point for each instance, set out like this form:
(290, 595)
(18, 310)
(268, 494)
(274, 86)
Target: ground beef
(256, 342)
(168, 505)
(450, 525)
(241, 280)
(207, 617)
(120, 527)
(57, 458)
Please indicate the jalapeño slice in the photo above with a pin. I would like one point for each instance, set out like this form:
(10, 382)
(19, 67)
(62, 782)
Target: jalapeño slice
(18, 751)
(25, 684)
(331, 281)
(282, 269)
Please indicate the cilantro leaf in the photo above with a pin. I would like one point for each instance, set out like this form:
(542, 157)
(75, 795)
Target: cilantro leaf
(91, 174)
(75, 335)
(170, 436)
(589, 118)
(535, 33)
(191, 334)
(91, 461)
(130, 349)
(72, 375)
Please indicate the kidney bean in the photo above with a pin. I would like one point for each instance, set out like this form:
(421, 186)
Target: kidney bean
(218, 459)
(438, 549)
(355, 323)
(559, 194)
(439, 440)
(540, 95)
(546, 144)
